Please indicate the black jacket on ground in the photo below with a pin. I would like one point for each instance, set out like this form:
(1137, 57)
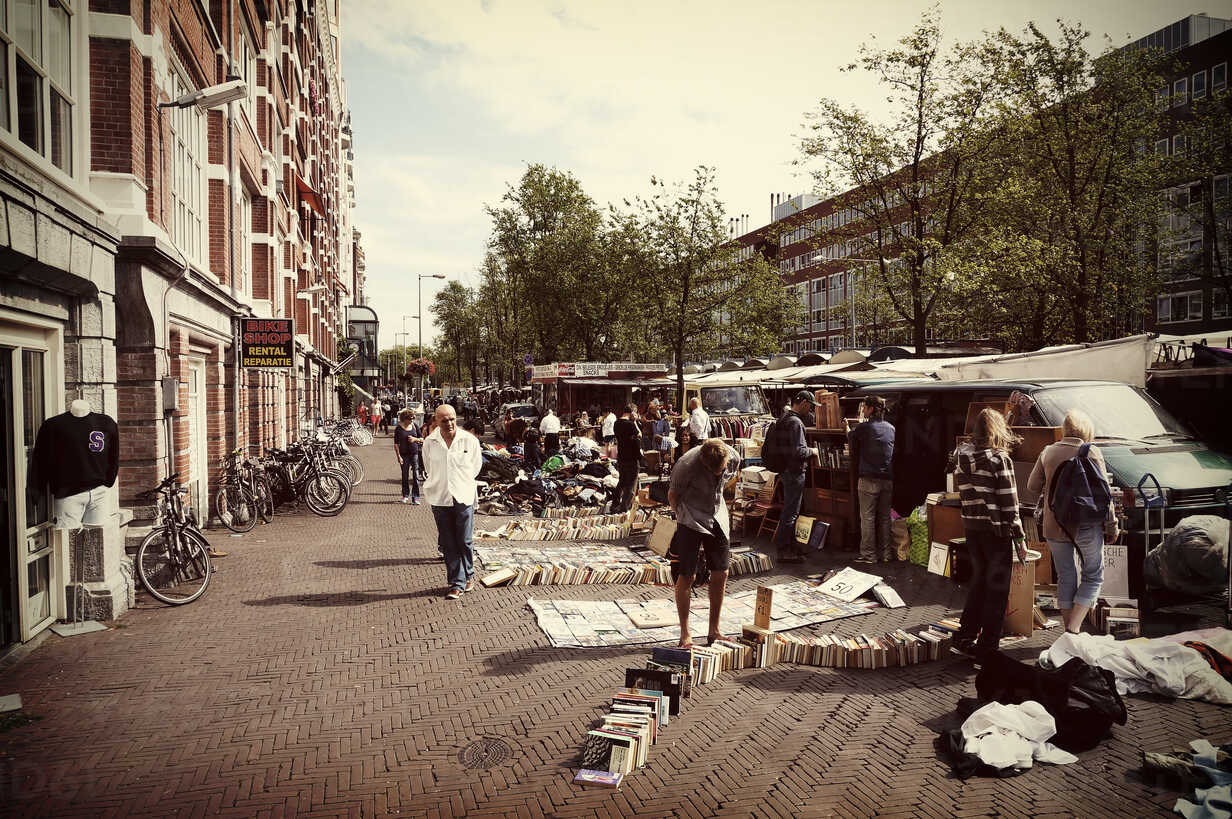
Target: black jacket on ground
(74, 454)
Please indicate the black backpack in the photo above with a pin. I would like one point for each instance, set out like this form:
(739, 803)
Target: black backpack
(1079, 492)
(772, 455)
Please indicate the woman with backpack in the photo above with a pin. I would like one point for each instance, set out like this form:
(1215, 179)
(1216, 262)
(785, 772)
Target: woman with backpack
(1086, 530)
(985, 478)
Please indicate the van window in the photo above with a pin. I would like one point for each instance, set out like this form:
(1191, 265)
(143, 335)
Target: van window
(747, 399)
(1117, 410)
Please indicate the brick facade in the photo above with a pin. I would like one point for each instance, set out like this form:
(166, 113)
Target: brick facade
(275, 156)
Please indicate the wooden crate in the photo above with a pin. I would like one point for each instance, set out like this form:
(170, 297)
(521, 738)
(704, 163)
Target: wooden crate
(827, 415)
(1034, 439)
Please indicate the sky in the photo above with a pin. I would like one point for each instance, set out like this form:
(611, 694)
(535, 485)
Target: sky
(452, 99)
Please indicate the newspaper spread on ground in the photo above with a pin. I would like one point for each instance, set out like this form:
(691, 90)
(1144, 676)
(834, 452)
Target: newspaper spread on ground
(600, 623)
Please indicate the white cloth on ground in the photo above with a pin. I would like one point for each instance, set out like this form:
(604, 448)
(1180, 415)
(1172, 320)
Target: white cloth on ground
(1013, 736)
(1159, 666)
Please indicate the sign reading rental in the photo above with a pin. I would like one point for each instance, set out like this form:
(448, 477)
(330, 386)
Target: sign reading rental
(267, 342)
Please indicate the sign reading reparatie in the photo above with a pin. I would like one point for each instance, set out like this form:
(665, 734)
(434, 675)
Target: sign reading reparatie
(267, 342)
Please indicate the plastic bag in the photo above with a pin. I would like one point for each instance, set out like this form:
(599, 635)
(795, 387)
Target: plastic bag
(1193, 559)
(917, 527)
(900, 536)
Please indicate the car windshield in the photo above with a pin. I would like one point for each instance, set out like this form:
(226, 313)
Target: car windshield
(1116, 410)
(523, 412)
(743, 399)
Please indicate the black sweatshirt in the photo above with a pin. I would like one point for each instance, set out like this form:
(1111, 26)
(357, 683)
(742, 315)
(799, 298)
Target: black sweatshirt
(75, 454)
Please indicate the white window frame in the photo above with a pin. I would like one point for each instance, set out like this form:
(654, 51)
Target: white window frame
(1198, 93)
(243, 227)
(76, 78)
(1178, 144)
(189, 186)
(1166, 298)
(1180, 92)
(1219, 85)
(246, 61)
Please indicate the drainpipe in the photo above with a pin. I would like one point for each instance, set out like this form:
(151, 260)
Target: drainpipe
(235, 344)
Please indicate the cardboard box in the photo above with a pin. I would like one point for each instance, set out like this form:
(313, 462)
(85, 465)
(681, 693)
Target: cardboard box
(1034, 439)
(661, 536)
(1019, 611)
(756, 475)
(1043, 566)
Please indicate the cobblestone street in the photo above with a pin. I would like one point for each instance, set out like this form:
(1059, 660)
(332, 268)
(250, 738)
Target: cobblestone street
(323, 674)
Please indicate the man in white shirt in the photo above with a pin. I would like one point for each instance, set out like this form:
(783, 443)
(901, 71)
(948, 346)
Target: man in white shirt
(699, 421)
(550, 427)
(453, 459)
(607, 428)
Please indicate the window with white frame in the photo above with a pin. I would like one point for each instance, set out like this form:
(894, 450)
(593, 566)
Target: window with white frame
(246, 62)
(188, 188)
(1178, 144)
(1219, 77)
(1198, 85)
(243, 218)
(1180, 92)
(1219, 302)
(36, 83)
(1179, 307)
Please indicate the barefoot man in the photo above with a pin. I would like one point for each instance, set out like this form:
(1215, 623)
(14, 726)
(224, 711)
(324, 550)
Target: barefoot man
(696, 496)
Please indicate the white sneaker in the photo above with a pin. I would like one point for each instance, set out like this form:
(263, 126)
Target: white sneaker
(405, 499)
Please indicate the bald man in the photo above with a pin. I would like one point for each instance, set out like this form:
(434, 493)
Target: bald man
(453, 459)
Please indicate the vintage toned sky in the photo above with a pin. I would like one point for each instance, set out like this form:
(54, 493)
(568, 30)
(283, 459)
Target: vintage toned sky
(451, 99)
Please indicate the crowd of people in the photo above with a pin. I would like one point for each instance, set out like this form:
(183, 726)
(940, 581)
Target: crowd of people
(440, 461)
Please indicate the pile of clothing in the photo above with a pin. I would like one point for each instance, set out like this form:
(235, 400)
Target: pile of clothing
(1025, 714)
(1205, 769)
(575, 476)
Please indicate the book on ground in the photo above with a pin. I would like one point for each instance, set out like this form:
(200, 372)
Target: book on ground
(603, 779)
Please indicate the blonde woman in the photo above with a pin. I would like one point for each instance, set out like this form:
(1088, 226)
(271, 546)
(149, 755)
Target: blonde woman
(1075, 595)
(985, 478)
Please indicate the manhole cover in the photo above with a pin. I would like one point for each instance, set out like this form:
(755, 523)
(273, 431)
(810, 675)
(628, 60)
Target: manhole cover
(484, 753)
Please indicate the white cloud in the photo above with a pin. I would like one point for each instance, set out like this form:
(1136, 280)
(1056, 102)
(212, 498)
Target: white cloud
(614, 92)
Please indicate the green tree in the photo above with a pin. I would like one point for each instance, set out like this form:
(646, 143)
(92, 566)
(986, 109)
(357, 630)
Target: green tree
(454, 311)
(1077, 189)
(905, 188)
(692, 277)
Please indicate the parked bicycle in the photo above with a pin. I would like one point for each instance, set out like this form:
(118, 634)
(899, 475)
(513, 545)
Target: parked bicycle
(173, 560)
(300, 474)
(243, 495)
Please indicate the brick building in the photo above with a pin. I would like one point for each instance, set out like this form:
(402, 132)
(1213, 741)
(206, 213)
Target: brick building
(135, 234)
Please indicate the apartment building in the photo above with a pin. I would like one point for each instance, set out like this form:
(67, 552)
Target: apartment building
(140, 221)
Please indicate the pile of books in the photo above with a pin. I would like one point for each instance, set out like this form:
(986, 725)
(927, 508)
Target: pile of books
(577, 568)
(894, 648)
(590, 527)
(567, 512)
(619, 744)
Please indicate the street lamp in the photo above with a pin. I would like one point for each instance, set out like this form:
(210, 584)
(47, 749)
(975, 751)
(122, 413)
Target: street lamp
(419, 306)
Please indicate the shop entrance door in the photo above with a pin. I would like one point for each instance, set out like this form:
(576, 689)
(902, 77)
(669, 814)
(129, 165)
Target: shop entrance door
(29, 570)
(199, 465)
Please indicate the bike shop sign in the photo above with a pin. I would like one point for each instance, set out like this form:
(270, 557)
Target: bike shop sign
(267, 342)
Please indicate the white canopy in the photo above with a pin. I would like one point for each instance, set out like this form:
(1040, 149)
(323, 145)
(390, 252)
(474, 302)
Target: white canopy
(1122, 359)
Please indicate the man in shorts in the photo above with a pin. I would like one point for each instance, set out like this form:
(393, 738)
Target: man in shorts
(696, 496)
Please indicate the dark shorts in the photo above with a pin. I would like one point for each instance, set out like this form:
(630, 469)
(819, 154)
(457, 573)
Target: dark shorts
(687, 546)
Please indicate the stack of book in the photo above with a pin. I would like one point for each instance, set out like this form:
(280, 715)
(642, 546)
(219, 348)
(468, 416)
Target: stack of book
(895, 648)
(592, 527)
(622, 739)
(574, 570)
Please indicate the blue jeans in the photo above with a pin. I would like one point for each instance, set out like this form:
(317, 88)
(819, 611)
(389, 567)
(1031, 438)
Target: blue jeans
(454, 526)
(784, 540)
(1070, 589)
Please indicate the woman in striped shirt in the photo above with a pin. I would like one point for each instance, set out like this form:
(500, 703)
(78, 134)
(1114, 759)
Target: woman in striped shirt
(993, 531)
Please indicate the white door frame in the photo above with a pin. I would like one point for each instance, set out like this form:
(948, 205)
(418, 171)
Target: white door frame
(21, 332)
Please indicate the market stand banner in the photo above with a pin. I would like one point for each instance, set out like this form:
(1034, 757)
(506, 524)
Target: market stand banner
(267, 342)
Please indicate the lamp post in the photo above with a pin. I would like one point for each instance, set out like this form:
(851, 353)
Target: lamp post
(419, 306)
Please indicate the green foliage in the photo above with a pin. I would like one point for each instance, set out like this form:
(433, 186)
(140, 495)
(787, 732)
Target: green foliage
(342, 381)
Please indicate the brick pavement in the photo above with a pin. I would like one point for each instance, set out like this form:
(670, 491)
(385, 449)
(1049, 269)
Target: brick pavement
(323, 675)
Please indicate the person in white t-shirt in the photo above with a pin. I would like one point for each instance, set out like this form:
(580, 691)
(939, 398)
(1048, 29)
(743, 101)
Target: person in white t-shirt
(453, 459)
(607, 428)
(550, 427)
(699, 420)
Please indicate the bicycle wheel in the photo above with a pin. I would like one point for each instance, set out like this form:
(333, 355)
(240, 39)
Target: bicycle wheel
(236, 508)
(353, 465)
(327, 493)
(174, 573)
(265, 498)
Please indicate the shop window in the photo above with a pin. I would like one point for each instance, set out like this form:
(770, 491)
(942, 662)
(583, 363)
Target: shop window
(1198, 85)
